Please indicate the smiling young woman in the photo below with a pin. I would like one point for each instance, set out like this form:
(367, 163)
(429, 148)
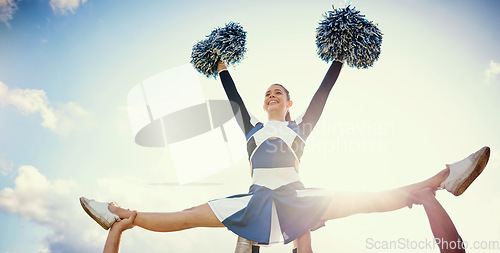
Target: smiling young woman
(278, 207)
(277, 103)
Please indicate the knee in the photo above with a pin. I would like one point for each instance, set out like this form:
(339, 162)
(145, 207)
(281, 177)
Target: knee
(189, 209)
(198, 216)
(186, 219)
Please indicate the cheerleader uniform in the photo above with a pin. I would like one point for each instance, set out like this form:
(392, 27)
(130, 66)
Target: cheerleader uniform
(278, 207)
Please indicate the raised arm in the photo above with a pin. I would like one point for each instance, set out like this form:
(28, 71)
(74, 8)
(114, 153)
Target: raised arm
(232, 94)
(315, 108)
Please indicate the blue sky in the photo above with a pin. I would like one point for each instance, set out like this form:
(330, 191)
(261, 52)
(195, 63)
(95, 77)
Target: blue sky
(66, 68)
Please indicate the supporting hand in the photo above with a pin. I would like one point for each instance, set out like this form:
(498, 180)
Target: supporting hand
(421, 196)
(115, 233)
(125, 224)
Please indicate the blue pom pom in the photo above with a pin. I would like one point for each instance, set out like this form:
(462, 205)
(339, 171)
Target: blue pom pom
(226, 44)
(204, 58)
(230, 41)
(344, 34)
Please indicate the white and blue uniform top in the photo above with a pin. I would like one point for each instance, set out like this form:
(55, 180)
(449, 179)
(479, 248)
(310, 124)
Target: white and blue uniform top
(278, 208)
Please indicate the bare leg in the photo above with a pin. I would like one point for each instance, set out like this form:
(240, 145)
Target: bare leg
(442, 226)
(198, 216)
(303, 243)
(348, 203)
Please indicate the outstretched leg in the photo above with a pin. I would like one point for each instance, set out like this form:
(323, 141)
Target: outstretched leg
(445, 233)
(348, 203)
(198, 216)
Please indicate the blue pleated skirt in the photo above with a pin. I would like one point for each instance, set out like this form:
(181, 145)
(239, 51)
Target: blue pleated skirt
(267, 216)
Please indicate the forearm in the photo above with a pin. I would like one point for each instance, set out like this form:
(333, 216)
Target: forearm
(113, 241)
(331, 76)
(232, 94)
(315, 108)
(442, 226)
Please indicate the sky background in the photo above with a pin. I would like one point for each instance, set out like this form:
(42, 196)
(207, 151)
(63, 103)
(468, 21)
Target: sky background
(66, 67)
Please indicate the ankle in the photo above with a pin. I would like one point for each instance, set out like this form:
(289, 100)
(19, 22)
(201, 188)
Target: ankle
(122, 213)
(439, 178)
(112, 208)
(444, 174)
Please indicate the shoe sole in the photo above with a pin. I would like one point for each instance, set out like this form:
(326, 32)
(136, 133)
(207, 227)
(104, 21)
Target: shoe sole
(481, 164)
(93, 214)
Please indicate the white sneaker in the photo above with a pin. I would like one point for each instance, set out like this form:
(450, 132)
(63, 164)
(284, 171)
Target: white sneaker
(463, 173)
(99, 212)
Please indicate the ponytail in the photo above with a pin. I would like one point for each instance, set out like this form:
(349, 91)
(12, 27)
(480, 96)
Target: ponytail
(287, 117)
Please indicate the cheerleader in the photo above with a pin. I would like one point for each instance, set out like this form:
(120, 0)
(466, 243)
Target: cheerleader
(278, 208)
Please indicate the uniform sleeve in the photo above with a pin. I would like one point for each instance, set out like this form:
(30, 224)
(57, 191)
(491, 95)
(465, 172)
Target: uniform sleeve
(245, 121)
(315, 108)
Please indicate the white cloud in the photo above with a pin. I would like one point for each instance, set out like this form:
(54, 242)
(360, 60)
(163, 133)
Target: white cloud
(492, 72)
(62, 119)
(7, 10)
(9, 7)
(65, 6)
(71, 116)
(35, 198)
(5, 166)
(53, 205)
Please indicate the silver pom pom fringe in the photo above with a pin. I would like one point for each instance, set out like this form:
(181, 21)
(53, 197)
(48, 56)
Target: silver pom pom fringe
(226, 44)
(344, 34)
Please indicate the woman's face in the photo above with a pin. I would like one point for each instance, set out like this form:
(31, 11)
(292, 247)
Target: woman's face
(276, 100)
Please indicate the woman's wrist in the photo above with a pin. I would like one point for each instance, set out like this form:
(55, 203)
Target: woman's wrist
(221, 66)
(117, 228)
